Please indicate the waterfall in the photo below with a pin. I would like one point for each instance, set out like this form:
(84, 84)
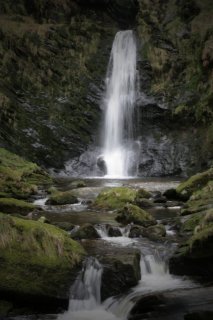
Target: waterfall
(120, 97)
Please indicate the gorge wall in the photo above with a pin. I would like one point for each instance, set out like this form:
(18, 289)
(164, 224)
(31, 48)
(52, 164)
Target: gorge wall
(54, 57)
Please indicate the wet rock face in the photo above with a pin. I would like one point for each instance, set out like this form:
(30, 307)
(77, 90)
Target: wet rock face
(58, 64)
(121, 267)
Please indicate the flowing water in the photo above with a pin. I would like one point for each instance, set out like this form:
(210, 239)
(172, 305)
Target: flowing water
(118, 150)
(85, 294)
(85, 303)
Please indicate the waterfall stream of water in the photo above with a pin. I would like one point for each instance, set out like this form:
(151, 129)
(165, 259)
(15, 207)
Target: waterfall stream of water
(85, 302)
(118, 147)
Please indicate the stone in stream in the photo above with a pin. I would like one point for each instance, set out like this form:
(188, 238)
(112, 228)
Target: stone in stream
(86, 231)
(113, 231)
(77, 184)
(133, 214)
(114, 198)
(121, 266)
(61, 198)
(156, 232)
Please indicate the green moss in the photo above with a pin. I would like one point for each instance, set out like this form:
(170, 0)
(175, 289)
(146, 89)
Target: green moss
(60, 198)
(11, 205)
(143, 193)
(19, 177)
(194, 183)
(115, 198)
(133, 214)
(190, 224)
(87, 231)
(36, 258)
(201, 243)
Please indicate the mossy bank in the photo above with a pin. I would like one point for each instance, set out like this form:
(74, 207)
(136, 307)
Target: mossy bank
(38, 263)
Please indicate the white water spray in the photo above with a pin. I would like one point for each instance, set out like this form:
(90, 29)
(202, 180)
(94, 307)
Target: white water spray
(118, 153)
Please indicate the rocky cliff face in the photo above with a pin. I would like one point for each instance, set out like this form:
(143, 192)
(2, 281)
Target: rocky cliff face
(175, 60)
(54, 57)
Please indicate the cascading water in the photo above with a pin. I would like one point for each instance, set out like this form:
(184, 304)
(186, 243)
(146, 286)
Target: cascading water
(120, 97)
(85, 302)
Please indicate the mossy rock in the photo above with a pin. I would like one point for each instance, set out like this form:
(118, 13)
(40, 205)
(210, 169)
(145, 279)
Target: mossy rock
(136, 231)
(114, 198)
(195, 257)
(143, 193)
(87, 231)
(77, 184)
(67, 226)
(156, 232)
(144, 203)
(20, 178)
(11, 205)
(38, 262)
(133, 214)
(190, 223)
(200, 201)
(194, 183)
(61, 198)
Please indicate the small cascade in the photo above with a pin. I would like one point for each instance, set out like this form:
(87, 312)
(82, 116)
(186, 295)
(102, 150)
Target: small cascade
(102, 230)
(118, 156)
(85, 292)
(125, 230)
(120, 240)
(155, 278)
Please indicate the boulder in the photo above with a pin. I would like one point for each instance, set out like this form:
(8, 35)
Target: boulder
(38, 263)
(144, 203)
(136, 231)
(121, 266)
(114, 198)
(77, 184)
(194, 183)
(114, 231)
(195, 257)
(133, 214)
(156, 232)
(86, 231)
(61, 198)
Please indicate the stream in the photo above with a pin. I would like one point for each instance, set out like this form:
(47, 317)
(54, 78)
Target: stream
(164, 295)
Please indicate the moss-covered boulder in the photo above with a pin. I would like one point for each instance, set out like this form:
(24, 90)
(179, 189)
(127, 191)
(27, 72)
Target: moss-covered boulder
(114, 198)
(77, 184)
(86, 231)
(194, 183)
(195, 257)
(136, 231)
(38, 263)
(144, 203)
(61, 198)
(20, 178)
(200, 201)
(191, 222)
(143, 193)
(133, 214)
(11, 205)
(155, 232)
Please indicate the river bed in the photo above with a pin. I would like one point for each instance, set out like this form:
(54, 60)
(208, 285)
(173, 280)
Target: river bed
(164, 296)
